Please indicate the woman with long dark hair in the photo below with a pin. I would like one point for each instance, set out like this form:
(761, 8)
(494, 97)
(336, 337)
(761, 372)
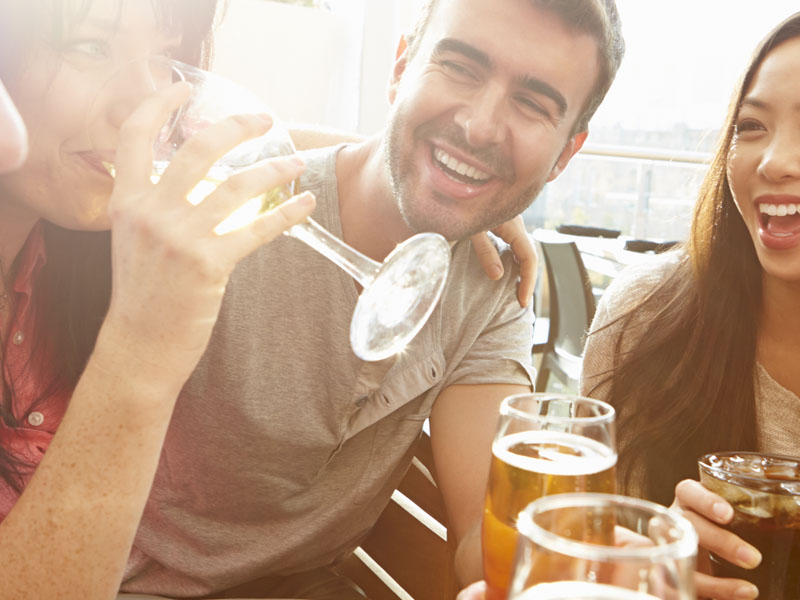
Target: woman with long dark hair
(698, 353)
(99, 332)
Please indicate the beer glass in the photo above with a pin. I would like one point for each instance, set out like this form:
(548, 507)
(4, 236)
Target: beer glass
(399, 294)
(544, 444)
(562, 554)
(764, 490)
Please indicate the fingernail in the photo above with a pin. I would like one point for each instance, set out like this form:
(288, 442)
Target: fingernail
(306, 199)
(495, 271)
(748, 557)
(297, 160)
(746, 592)
(723, 511)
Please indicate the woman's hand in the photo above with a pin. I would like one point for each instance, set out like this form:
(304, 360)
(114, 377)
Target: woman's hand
(169, 267)
(512, 232)
(708, 512)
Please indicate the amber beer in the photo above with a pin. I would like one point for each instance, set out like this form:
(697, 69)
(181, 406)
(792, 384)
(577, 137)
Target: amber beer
(525, 466)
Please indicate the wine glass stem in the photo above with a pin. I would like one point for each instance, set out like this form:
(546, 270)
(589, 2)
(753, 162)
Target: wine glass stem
(359, 267)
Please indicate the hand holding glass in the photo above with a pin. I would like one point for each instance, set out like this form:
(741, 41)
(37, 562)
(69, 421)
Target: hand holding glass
(398, 295)
(764, 490)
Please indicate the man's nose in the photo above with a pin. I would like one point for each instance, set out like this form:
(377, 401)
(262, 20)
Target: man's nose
(483, 117)
(781, 159)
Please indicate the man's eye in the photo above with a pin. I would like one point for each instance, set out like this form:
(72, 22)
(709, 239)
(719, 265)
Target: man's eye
(532, 106)
(457, 69)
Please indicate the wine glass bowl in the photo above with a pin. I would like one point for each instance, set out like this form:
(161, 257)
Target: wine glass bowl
(213, 98)
(399, 294)
(408, 283)
(603, 546)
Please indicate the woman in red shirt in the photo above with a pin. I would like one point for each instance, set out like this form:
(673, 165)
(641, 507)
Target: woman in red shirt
(119, 363)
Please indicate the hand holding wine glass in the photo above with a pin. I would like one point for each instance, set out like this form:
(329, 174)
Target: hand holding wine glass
(169, 267)
(398, 295)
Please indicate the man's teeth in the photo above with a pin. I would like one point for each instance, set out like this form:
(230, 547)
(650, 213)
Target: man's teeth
(460, 167)
(779, 210)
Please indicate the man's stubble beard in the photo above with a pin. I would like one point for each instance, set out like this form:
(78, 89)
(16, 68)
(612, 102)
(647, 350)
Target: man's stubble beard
(435, 217)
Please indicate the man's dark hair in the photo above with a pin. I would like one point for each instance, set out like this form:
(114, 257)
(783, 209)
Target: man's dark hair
(598, 18)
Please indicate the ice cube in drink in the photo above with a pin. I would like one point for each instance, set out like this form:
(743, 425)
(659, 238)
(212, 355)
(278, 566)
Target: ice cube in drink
(764, 491)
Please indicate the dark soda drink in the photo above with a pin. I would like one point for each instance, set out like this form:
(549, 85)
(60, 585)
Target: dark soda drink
(764, 491)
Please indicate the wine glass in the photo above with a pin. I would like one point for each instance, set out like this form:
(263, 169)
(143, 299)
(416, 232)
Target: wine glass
(544, 444)
(565, 550)
(398, 294)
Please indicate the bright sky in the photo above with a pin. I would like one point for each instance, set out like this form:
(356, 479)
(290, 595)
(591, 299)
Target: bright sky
(683, 59)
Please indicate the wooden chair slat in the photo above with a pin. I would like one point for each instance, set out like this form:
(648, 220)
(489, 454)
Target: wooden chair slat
(415, 554)
(366, 579)
(412, 554)
(423, 493)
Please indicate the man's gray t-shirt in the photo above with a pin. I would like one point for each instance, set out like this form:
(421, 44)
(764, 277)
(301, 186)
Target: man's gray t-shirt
(284, 447)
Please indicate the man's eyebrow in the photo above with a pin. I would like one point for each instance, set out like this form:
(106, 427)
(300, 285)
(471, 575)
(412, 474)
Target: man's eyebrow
(537, 86)
(471, 52)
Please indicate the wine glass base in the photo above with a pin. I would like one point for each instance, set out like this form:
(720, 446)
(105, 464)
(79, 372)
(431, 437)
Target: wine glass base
(393, 308)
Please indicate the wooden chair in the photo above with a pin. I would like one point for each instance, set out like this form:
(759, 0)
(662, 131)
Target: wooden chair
(408, 555)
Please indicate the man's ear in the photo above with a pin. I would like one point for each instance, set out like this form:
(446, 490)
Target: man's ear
(574, 144)
(400, 59)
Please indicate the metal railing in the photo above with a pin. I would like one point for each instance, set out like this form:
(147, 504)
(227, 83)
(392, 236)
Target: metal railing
(646, 160)
(646, 154)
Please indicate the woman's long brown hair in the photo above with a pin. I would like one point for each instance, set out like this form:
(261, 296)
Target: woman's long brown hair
(685, 386)
(73, 289)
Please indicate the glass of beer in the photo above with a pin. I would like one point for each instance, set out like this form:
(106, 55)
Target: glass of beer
(603, 547)
(764, 490)
(544, 444)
